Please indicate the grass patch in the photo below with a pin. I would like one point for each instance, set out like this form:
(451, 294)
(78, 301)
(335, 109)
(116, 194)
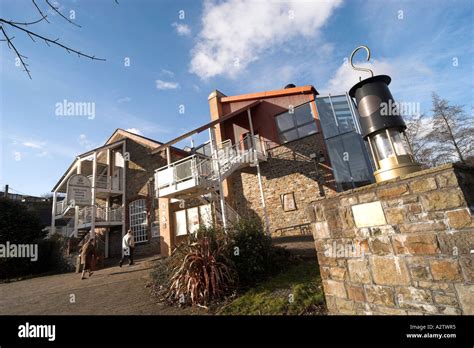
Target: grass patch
(295, 291)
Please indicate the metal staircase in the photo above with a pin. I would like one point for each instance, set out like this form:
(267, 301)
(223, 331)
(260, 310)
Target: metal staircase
(201, 176)
(197, 174)
(213, 198)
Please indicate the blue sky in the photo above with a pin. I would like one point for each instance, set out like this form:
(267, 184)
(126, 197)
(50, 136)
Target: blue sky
(235, 46)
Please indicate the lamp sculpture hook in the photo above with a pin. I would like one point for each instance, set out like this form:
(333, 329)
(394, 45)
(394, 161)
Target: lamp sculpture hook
(368, 58)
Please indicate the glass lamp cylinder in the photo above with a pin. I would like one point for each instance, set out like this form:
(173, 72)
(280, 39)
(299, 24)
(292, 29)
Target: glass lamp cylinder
(383, 132)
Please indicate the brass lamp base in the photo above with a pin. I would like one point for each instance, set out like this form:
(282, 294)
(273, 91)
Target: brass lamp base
(391, 168)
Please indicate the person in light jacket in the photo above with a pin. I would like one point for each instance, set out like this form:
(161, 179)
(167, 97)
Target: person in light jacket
(88, 257)
(128, 245)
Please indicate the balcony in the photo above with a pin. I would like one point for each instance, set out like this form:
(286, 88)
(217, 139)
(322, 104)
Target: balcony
(105, 183)
(198, 174)
(103, 216)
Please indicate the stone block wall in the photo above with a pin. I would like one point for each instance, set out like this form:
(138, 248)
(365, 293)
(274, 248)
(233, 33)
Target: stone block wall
(400, 247)
(289, 169)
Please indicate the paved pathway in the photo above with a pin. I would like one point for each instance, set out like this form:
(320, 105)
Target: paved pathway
(111, 290)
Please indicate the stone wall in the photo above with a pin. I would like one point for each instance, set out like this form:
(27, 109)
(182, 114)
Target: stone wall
(289, 169)
(399, 247)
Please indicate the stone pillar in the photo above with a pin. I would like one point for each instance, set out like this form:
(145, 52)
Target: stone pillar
(399, 247)
(167, 240)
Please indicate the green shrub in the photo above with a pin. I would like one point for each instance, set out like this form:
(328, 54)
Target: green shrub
(252, 251)
(211, 264)
(19, 225)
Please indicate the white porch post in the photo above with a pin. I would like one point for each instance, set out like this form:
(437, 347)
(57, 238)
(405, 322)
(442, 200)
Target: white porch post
(259, 175)
(94, 174)
(107, 201)
(124, 188)
(109, 171)
(217, 167)
(53, 214)
(76, 209)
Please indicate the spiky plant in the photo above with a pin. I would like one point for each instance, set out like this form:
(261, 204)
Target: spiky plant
(205, 274)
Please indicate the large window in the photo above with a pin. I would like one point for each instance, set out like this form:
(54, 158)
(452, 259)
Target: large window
(296, 123)
(187, 221)
(138, 222)
(347, 151)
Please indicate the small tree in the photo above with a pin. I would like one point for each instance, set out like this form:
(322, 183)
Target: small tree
(417, 129)
(18, 224)
(452, 132)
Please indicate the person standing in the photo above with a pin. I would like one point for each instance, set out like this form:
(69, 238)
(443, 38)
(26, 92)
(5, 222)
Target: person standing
(88, 256)
(128, 245)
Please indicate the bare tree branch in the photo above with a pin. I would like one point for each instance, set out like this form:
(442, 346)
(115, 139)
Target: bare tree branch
(12, 46)
(56, 9)
(50, 41)
(29, 23)
(32, 35)
(39, 10)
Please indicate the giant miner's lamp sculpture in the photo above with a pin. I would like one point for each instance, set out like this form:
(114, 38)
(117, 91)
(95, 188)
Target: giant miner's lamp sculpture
(382, 126)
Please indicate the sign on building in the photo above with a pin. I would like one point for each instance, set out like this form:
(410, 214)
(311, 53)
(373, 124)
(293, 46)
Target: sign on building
(79, 190)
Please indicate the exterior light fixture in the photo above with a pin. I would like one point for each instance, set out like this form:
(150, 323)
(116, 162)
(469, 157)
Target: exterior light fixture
(382, 125)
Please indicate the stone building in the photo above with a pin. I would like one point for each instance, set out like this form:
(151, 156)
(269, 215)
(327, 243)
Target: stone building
(269, 155)
(121, 194)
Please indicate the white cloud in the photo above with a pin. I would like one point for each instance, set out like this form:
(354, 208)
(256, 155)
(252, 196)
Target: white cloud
(34, 145)
(182, 29)
(346, 77)
(134, 130)
(167, 72)
(85, 142)
(124, 100)
(236, 32)
(163, 85)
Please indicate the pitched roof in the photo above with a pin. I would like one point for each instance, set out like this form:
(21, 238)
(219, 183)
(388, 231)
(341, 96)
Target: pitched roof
(110, 141)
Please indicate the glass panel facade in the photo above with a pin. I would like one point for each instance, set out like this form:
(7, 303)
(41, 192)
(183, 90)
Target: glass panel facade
(347, 150)
(296, 123)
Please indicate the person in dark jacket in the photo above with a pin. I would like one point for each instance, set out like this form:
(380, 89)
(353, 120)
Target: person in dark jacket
(88, 257)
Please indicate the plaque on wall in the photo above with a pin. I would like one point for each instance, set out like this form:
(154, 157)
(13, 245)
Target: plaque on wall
(288, 201)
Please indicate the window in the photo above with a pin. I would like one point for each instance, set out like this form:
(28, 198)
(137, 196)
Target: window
(296, 123)
(138, 222)
(180, 223)
(346, 148)
(192, 220)
(187, 221)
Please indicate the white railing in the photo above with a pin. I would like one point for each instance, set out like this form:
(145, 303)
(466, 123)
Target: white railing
(102, 181)
(61, 206)
(107, 182)
(199, 167)
(102, 214)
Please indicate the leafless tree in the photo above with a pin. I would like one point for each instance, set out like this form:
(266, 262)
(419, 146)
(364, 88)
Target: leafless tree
(416, 133)
(452, 132)
(24, 29)
(446, 136)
